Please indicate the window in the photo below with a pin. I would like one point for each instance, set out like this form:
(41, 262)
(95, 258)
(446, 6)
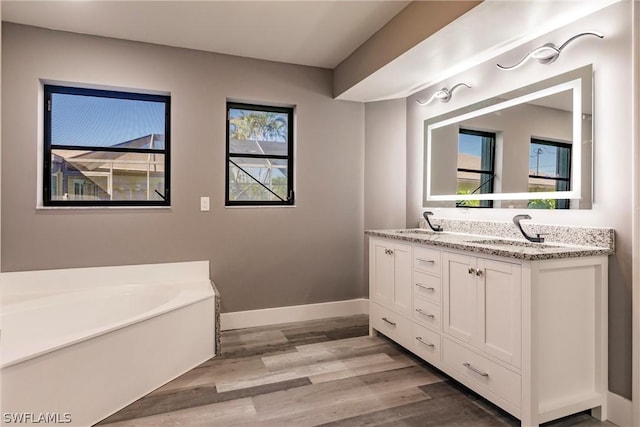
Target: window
(259, 155)
(476, 153)
(549, 170)
(105, 148)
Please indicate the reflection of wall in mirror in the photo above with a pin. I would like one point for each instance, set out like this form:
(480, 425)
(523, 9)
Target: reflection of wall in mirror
(514, 128)
(444, 152)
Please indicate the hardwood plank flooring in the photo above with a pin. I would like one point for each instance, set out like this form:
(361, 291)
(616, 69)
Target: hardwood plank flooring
(324, 372)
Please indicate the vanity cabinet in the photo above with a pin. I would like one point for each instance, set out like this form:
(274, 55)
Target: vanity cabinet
(528, 335)
(390, 273)
(482, 305)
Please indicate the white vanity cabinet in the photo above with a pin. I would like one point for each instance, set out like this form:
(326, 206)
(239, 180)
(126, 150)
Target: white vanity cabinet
(528, 335)
(390, 288)
(482, 305)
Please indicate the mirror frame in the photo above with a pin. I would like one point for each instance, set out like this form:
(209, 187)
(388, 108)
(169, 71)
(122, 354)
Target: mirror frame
(572, 80)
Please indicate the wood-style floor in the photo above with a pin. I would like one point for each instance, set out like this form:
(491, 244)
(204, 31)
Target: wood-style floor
(325, 372)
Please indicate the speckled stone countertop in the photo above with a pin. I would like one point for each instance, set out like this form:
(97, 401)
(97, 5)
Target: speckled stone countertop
(497, 238)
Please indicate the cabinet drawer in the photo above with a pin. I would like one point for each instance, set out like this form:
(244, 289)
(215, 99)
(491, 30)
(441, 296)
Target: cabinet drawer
(479, 370)
(391, 324)
(426, 344)
(426, 260)
(428, 313)
(427, 286)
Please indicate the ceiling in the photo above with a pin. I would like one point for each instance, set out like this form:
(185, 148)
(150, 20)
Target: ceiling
(308, 32)
(315, 33)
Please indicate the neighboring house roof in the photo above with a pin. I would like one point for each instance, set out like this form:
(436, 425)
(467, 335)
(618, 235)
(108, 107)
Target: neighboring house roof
(92, 160)
(242, 146)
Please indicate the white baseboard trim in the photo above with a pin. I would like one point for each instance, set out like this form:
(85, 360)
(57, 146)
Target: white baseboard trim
(619, 410)
(296, 313)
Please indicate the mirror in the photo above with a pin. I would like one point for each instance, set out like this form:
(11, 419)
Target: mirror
(530, 148)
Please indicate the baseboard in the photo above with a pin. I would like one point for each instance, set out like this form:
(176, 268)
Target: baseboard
(296, 313)
(619, 410)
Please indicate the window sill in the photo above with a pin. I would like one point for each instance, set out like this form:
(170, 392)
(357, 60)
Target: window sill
(56, 208)
(260, 207)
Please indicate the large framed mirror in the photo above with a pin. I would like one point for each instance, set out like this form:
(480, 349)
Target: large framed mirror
(529, 148)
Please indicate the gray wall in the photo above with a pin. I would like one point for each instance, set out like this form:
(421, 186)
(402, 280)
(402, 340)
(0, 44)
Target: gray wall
(612, 205)
(385, 159)
(260, 257)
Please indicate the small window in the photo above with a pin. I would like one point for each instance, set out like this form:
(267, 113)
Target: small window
(259, 155)
(549, 170)
(476, 153)
(105, 148)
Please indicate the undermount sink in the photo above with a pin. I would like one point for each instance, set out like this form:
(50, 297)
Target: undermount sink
(416, 231)
(505, 242)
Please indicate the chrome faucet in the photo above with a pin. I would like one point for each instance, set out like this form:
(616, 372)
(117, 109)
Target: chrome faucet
(426, 215)
(516, 221)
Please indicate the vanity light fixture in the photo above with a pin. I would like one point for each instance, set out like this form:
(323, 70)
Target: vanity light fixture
(547, 53)
(444, 94)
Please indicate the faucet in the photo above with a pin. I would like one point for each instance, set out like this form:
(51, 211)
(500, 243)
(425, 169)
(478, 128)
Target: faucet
(433, 227)
(516, 221)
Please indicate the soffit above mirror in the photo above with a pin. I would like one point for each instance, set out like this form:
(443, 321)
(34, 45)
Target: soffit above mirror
(466, 42)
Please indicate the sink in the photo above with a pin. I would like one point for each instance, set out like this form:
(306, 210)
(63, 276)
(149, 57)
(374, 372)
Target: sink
(415, 231)
(505, 242)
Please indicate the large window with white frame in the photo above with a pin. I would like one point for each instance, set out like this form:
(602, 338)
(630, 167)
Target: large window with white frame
(105, 148)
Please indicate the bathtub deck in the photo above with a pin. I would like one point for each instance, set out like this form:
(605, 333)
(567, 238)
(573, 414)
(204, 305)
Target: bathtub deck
(314, 373)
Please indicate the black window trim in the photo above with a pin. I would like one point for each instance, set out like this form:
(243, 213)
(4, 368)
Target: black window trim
(48, 147)
(554, 144)
(560, 203)
(483, 204)
(290, 200)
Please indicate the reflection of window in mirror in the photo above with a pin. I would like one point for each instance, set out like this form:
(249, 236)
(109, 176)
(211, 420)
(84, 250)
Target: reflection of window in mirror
(475, 173)
(549, 170)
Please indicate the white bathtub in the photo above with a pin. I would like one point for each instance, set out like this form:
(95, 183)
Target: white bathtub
(80, 344)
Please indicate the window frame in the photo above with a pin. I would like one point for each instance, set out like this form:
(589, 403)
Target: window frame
(290, 200)
(49, 90)
(560, 203)
(492, 171)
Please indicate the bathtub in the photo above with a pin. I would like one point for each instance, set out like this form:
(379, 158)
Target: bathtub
(77, 345)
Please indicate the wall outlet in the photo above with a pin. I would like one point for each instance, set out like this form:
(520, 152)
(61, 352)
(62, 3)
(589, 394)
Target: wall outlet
(204, 204)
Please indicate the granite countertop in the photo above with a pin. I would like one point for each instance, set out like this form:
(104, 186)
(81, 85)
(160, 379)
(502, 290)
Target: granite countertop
(493, 245)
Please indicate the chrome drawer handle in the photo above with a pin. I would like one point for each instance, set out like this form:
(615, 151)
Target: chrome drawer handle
(388, 321)
(419, 310)
(429, 288)
(476, 370)
(428, 344)
(426, 260)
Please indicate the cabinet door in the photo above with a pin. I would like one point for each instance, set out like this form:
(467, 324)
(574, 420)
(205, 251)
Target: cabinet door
(390, 274)
(460, 296)
(380, 272)
(499, 310)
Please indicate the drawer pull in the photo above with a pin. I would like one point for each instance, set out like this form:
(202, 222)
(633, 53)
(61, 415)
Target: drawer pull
(388, 321)
(419, 310)
(472, 270)
(478, 273)
(476, 370)
(426, 260)
(428, 344)
(388, 251)
(429, 288)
